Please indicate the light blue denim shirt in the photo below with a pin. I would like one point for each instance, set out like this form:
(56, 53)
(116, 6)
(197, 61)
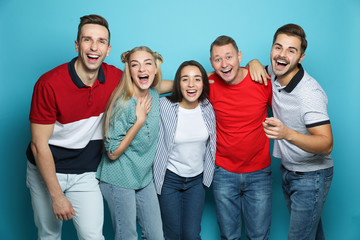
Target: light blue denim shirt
(133, 168)
(168, 122)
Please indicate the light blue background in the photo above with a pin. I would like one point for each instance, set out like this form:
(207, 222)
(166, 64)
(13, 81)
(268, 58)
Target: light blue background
(36, 36)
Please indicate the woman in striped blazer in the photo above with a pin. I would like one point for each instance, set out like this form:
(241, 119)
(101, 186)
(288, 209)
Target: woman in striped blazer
(185, 157)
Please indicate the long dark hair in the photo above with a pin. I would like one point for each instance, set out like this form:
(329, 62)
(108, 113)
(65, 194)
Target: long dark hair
(176, 95)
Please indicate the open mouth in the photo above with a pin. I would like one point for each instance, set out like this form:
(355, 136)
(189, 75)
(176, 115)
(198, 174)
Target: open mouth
(281, 63)
(93, 57)
(191, 92)
(227, 71)
(143, 78)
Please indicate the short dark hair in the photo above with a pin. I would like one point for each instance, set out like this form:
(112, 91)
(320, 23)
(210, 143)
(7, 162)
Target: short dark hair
(293, 30)
(92, 19)
(222, 41)
(176, 95)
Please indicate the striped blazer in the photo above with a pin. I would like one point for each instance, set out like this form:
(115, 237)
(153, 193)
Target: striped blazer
(168, 123)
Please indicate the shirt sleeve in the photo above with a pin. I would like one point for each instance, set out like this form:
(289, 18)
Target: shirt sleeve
(43, 105)
(315, 108)
(120, 123)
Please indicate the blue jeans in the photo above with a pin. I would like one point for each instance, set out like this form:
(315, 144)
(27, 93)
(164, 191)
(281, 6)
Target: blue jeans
(128, 205)
(305, 194)
(246, 193)
(182, 203)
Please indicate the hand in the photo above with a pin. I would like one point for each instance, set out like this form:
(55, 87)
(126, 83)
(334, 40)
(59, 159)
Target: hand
(209, 74)
(62, 208)
(143, 107)
(275, 129)
(258, 72)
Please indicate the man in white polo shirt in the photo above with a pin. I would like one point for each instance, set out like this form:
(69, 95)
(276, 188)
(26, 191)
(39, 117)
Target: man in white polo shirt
(302, 132)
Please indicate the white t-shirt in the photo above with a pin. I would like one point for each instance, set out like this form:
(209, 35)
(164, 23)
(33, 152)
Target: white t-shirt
(187, 156)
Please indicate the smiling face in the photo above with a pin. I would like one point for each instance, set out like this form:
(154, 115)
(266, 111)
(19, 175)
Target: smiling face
(142, 70)
(285, 56)
(93, 47)
(226, 62)
(191, 86)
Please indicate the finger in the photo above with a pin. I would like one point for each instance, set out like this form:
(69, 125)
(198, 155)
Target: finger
(73, 212)
(148, 109)
(265, 80)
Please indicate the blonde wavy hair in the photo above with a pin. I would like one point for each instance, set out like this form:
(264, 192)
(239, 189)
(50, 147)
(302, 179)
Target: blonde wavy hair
(125, 89)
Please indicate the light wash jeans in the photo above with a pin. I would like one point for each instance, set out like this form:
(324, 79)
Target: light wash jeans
(82, 190)
(246, 193)
(305, 194)
(182, 204)
(128, 205)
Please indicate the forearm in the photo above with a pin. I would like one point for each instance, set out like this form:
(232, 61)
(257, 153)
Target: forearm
(317, 144)
(165, 86)
(124, 144)
(46, 166)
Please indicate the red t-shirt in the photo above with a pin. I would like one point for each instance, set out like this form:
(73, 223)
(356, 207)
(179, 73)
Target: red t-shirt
(240, 110)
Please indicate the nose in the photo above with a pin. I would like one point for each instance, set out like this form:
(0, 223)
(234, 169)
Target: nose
(282, 52)
(141, 67)
(191, 82)
(93, 46)
(224, 63)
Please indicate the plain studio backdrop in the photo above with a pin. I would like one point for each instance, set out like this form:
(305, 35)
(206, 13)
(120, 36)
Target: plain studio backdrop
(36, 36)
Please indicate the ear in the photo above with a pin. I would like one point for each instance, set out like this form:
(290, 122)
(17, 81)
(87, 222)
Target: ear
(77, 46)
(108, 50)
(302, 58)
(240, 56)
(211, 62)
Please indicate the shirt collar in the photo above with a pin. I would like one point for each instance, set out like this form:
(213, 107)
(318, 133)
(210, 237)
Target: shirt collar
(75, 78)
(295, 80)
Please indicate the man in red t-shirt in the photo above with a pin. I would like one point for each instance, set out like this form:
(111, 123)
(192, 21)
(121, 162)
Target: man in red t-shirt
(242, 178)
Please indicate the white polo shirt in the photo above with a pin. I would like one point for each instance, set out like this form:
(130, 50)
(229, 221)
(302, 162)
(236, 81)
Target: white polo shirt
(300, 105)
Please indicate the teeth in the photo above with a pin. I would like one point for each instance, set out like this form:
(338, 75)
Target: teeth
(143, 76)
(191, 91)
(93, 56)
(281, 62)
(226, 71)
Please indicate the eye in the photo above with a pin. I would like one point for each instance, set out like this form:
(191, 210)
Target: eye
(217, 59)
(228, 57)
(102, 41)
(133, 65)
(184, 79)
(198, 79)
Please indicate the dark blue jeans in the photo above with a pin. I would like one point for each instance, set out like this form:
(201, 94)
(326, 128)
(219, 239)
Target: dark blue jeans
(305, 194)
(247, 193)
(181, 204)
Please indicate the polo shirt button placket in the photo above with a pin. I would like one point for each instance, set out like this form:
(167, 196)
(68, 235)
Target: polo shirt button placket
(90, 100)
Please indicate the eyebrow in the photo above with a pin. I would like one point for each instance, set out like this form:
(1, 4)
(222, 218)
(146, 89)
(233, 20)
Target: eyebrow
(188, 76)
(278, 44)
(104, 39)
(134, 60)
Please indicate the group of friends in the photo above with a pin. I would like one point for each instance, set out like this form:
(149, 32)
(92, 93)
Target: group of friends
(98, 132)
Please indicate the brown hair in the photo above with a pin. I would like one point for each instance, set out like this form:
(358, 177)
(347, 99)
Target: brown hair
(223, 40)
(176, 95)
(92, 19)
(293, 30)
